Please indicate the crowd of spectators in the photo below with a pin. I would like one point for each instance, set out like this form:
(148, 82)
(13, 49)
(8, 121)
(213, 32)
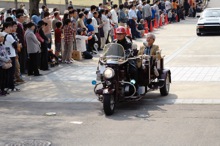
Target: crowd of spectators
(26, 41)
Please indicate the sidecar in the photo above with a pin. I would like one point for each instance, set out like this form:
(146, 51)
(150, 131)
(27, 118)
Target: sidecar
(154, 76)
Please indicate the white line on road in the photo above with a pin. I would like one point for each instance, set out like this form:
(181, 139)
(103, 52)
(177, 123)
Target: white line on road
(180, 50)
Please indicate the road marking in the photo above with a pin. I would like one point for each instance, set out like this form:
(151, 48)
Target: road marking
(180, 50)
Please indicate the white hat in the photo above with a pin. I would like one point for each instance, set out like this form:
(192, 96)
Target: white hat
(2, 34)
(130, 1)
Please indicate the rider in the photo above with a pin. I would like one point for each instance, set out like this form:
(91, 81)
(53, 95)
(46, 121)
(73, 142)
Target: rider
(149, 49)
(123, 40)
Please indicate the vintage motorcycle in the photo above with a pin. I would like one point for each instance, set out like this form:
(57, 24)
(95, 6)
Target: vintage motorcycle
(115, 84)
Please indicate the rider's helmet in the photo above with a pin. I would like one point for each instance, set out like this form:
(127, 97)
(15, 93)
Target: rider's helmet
(121, 30)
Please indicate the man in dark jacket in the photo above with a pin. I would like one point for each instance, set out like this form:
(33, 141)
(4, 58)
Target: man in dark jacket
(20, 34)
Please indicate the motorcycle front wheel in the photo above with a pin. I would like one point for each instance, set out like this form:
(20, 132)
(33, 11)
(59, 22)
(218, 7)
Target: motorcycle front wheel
(108, 104)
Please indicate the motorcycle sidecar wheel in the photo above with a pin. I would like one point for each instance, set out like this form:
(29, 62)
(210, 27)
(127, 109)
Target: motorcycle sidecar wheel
(164, 91)
(108, 104)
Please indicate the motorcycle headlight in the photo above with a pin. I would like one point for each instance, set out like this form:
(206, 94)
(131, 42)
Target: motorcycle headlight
(109, 73)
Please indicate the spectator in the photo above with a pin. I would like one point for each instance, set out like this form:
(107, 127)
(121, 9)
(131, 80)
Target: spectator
(139, 13)
(96, 27)
(126, 4)
(81, 39)
(33, 49)
(106, 27)
(132, 21)
(168, 6)
(44, 9)
(86, 14)
(70, 4)
(13, 15)
(80, 21)
(122, 18)
(186, 7)
(146, 12)
(68, 41)
(10, 44)
(100, 6)
(47, 28)
(92, 9)
(44, 46)
(114, 15)
(35, 18)
(90, 32)
(58, 35)
(18, 49)
(20, 34)
(22, 6)
(56, 19)
(100, 30)
(4, 58)
(157, 12)
(141, 28)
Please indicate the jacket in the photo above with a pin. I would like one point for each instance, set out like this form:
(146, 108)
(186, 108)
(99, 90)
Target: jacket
(33, 45)
(146, 11)
(153, 51)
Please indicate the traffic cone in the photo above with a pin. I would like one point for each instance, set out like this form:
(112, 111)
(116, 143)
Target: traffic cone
(114, 33)
(161, 24)
(155, 23)
(151, 27)
(128, 31)
(146, 27)
(166, 19)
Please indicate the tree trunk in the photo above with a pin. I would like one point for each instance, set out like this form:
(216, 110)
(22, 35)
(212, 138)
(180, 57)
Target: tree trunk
(34, 7)
(66, 2)
(104, 2)
(45, 2)
(16, 4)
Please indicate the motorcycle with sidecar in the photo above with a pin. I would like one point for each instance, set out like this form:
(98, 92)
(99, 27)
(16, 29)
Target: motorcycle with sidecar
(114, 84)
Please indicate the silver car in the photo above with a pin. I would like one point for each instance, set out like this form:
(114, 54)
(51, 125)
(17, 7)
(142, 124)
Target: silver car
(209, 21)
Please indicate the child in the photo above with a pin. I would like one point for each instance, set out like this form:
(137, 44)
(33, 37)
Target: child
(58, 34)
(162, 16)
(170, 16)
(81, 39)
(141, 28)
(68, 41)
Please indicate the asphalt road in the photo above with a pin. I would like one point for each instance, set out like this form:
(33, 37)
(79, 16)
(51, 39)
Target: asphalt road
(188, 116)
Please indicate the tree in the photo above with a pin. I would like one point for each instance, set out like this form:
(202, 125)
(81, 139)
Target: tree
(34, 7)
(45, 2)
(120, 2)
(16, 4)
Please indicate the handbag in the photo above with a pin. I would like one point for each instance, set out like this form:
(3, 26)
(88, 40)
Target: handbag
(40, 39)
(6, 65)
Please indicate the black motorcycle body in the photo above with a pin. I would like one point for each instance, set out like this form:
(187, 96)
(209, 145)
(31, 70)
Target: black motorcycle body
(116, 84)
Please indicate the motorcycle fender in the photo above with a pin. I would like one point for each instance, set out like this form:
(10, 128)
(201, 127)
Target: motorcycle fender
(108, 91)
(164, 73)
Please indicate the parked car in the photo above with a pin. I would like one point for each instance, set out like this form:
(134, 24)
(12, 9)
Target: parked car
(209, 21)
